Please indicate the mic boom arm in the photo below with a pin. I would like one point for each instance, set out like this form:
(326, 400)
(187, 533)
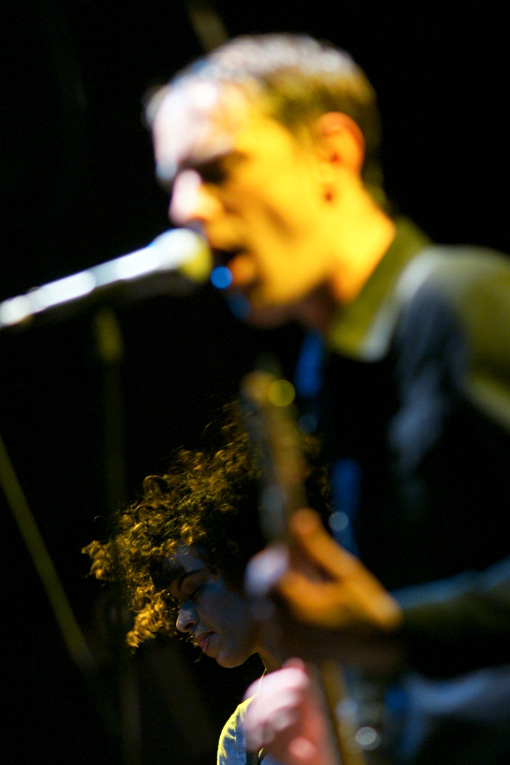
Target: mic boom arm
(179, 259)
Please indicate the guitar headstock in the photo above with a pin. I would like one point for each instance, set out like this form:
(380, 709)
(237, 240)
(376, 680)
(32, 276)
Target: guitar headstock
(269, 413)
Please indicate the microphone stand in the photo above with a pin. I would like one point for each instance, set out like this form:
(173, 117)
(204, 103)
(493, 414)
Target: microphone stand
(109, 347)
(175, 263)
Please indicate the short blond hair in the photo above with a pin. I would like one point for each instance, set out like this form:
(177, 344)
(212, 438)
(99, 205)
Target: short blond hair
(297, 78)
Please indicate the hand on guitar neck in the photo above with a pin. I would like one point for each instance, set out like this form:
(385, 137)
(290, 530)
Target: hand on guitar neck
(297, 715)
(330, 609)
(330, 605)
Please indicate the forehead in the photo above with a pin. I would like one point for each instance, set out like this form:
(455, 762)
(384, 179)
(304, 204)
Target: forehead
(202, 120)
(184, 560)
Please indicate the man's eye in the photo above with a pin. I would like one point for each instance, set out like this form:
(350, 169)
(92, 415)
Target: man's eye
(213, 172)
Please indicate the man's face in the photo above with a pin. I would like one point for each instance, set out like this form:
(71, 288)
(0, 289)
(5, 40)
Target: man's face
(251, 187)
(216, 616)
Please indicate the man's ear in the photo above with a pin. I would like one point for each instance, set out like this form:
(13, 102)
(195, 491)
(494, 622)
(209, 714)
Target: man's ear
(339, 141)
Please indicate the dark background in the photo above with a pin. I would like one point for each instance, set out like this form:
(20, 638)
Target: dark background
(77, 189)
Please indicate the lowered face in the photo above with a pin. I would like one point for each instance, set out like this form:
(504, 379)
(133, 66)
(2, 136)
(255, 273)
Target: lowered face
(216, 616)
(251, 187)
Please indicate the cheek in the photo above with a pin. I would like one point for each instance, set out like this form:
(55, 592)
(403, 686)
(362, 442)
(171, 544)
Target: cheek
(283, 219)
(234, 612)
(230, 613)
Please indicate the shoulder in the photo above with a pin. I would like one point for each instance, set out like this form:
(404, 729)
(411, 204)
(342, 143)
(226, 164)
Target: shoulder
(459, 274)
(455, 306)
(470, 284)
(232, 743)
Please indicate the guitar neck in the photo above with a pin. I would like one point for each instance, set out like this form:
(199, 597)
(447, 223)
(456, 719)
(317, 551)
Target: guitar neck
(272, 424)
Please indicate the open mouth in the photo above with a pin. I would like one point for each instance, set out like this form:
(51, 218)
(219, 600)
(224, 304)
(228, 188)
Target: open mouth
(243, 269)
(231, 269)
(223, 257)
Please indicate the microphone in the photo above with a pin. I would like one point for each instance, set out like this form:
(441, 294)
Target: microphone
(175, 262)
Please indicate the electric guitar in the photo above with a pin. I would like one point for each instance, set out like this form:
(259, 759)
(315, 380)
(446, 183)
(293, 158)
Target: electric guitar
(268, 405)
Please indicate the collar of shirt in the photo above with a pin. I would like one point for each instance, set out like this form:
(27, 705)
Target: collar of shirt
(363, 328)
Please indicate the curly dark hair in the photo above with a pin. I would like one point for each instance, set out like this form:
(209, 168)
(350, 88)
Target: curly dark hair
(208, 499)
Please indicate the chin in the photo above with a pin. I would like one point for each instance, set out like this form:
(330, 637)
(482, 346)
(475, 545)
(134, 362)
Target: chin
(230, 661)
(269, 317)
(259, 316)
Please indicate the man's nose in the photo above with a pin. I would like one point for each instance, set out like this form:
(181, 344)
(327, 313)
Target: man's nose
(192, 200)
(186, 618)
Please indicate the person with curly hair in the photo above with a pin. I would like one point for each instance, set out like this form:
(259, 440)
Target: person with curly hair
(180, 550)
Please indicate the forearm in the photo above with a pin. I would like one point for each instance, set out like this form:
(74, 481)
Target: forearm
(453, 627)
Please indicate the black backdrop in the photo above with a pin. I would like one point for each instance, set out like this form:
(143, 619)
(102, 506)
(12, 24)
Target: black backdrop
(77, 189)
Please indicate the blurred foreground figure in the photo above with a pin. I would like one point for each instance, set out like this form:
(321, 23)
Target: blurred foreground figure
(269, 147)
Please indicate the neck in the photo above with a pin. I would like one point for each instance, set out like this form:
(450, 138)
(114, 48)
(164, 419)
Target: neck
(364, 249)
(269, 651)
(363, 243)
